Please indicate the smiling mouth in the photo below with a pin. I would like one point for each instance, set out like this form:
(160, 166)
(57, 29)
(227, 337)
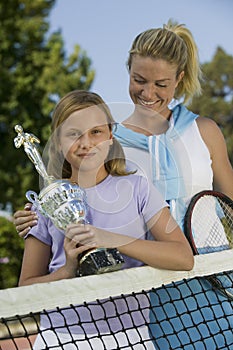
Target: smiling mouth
(86, 155)
(147, 103)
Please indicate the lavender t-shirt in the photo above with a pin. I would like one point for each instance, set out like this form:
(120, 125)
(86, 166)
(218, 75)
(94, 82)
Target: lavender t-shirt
(120, 204)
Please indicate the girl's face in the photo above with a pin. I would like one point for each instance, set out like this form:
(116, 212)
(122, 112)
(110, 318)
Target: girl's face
(85, 139)
(152, 83)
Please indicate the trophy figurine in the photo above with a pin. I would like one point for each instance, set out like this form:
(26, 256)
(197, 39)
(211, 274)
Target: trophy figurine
(64, 202)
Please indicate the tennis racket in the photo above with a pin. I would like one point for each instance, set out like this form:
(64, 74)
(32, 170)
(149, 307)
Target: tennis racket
(208, 226)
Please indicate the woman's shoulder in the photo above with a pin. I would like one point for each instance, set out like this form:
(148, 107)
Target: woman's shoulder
(208, 128)
(210, 132)
(205, 122)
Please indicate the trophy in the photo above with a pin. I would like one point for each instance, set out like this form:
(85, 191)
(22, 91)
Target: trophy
(64, 202)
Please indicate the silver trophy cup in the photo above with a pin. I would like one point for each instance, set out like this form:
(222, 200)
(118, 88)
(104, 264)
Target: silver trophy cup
(64, 203)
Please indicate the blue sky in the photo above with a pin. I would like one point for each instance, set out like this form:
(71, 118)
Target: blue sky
(105, 29)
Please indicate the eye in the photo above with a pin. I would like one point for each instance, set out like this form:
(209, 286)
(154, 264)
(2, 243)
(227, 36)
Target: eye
(139, 81)
(161, 85)
(96, 131)
(73, 134)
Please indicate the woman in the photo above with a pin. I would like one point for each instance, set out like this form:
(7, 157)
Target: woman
(182, 153)
(83, 151)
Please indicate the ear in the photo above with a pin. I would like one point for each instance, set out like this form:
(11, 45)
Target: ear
(180, 77)
(111, 138)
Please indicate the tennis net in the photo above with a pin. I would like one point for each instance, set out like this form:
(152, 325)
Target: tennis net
(138, 308)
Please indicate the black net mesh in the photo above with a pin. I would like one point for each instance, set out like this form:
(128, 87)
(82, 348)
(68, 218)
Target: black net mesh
(185, 313)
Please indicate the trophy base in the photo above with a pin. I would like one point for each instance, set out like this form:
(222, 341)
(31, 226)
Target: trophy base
(100, 260)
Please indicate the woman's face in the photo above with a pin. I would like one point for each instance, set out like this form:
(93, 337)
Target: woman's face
(85, 139)
(152, 83)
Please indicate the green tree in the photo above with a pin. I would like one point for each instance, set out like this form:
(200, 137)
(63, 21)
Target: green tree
(35, 72)
(216, 101)
(10, 255)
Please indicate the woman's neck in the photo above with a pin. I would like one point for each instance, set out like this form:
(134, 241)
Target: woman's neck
(150, 123)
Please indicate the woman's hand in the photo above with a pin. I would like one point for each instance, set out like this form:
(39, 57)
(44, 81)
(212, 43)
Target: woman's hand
(24, 220)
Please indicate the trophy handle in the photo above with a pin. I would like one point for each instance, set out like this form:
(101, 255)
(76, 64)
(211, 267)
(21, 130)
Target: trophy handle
(32, 197)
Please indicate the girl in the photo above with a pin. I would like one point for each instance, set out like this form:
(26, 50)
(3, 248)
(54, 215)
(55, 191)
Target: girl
(123, 209)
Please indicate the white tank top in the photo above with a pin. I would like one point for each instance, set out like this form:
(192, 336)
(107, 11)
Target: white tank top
(195, 163)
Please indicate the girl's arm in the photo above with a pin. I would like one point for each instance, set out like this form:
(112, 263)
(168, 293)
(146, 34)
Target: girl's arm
(36, 261)
(170, 250)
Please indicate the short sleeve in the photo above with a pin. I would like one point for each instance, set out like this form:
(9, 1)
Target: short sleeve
(151, 200)
(41, 230)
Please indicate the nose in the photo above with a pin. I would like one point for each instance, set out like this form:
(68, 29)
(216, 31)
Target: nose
(85, 141)
(149, 91)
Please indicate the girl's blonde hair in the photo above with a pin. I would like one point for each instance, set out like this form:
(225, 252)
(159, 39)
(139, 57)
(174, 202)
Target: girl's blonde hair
(175, 44)
(74, 101)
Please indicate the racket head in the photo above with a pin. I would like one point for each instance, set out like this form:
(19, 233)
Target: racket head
(211, 211)
(208, 223)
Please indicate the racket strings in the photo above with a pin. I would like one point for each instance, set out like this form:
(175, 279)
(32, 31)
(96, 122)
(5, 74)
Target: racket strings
(212, 229)
(227, 221)
(212, 223)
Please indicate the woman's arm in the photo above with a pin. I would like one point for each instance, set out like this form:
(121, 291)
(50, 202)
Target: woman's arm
(222, 169)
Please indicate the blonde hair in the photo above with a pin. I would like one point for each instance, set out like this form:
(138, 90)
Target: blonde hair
(74, 101)
(175, 44)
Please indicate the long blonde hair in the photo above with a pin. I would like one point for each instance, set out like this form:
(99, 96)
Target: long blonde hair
(175, 44)
(74, 101)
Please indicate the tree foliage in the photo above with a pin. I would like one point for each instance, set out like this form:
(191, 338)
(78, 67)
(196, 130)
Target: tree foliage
(11, 254)
(216, 101)
(35, 72)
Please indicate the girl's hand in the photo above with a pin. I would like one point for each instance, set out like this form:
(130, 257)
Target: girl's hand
(24, 220)
(75, 243)
(92, 237)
